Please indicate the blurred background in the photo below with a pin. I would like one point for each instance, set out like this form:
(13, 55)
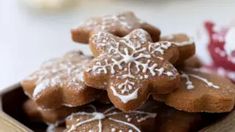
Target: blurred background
(32, 31)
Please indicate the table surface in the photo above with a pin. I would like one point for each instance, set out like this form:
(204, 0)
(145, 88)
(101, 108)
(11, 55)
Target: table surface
(28, 36)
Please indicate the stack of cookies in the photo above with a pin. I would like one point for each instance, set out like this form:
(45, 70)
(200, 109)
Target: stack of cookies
(136, 81)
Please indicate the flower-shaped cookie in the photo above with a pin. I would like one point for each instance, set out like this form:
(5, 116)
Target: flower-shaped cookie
(184, 43)
(201, 92)
(60, 82)
(131, 67)
(120, 24)
(109, 119)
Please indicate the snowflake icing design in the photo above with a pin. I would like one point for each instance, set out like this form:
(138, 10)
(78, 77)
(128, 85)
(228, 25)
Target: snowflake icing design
(126, 20)
(129, 60)
(60, 72)
(118, 121)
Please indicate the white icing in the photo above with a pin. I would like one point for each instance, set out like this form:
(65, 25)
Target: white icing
(125, 98)
(109, 115)
(80, 76)
(160, 47)
(51, 128)
(113, 130)
(98, 116)
(60, 72)
(40, 87)
(129, 119)
(189, 83)
(130, 59)
(184, 43)
(126, 123)
(68, 105)
(100, 125)
(208, 83)
(125, 20)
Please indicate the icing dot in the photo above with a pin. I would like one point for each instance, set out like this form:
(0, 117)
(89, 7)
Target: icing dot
(146, 76)
(98, 116)
(113, 130)
(129, 119)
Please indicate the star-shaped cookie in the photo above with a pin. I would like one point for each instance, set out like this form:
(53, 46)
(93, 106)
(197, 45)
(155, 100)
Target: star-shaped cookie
(201, 92)
(185, 44)
(131, 67)
(60, 82)
(119, 24)
(151, 117)
(109, 119)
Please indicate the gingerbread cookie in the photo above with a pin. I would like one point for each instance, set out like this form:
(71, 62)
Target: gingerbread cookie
(49, 116)
(220, 71)
(120, 24)
(131, 67)
(60, 82)
(201, 92)
(185, 43)
(172, 120)
(193, 62)
(151, 117)
(107, 118)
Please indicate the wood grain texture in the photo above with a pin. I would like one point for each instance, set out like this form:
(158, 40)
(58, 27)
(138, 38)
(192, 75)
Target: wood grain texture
(225, 125)
(7, 124)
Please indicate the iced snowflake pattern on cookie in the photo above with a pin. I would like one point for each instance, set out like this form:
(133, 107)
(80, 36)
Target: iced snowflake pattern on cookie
(50, 85)
(56, 71)
(113, 21)
(111, 120)
(130, 62)
(119, 24)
